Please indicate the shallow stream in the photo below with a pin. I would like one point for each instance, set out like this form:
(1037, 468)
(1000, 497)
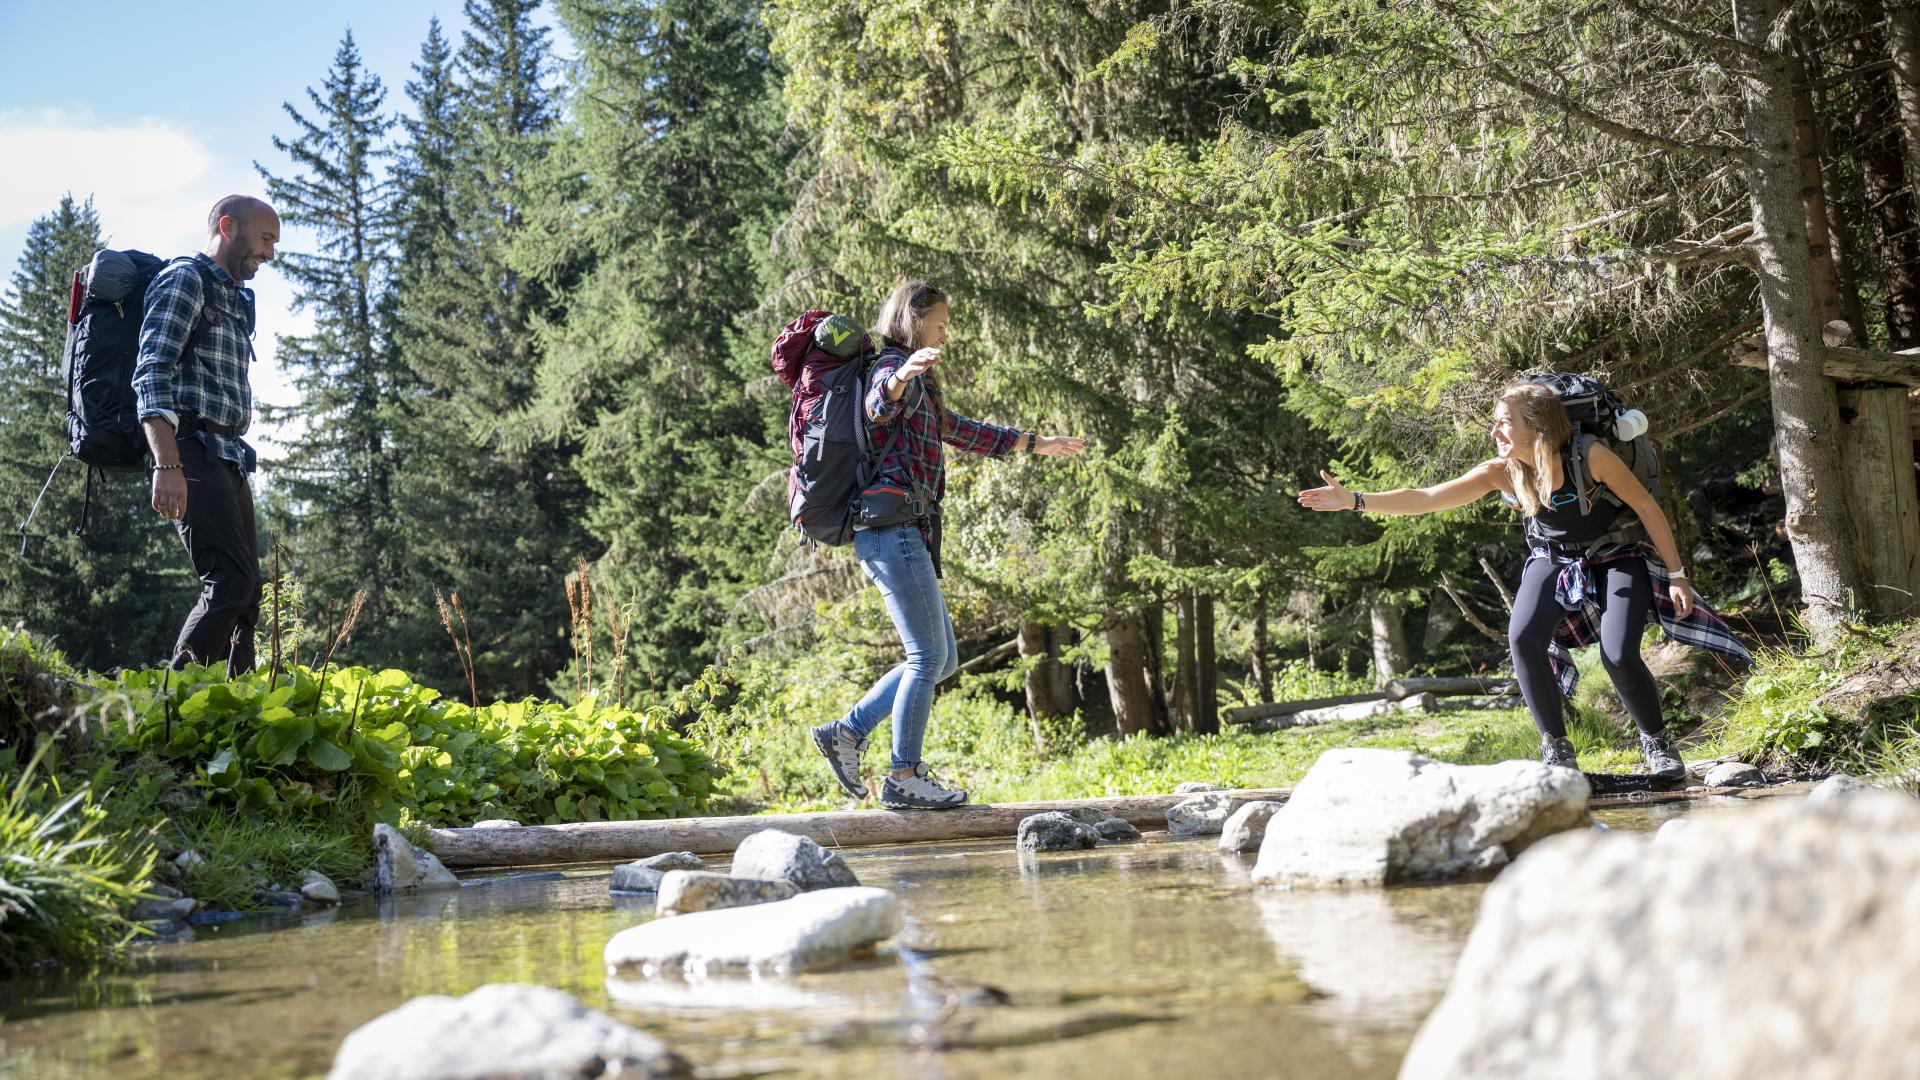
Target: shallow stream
(1158, 958)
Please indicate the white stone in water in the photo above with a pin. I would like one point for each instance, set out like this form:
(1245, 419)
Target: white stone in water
(1370, 817)
(1734, 774)
(1837, 786)
(686, 891)
(643, 875)
(319, 888)
(400, 867)
(770, 854)
(1195, 787)
(502, 1032)
(812, 931)
(1202, 815)
(1775, 941)
(1671, 829)
(1248, 826)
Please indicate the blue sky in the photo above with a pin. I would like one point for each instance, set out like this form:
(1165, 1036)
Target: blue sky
(157, 110)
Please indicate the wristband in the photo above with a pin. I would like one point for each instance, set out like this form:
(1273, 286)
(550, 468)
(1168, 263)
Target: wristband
(1676, 575)
(1033, 441)
(1359, 502)
(163, 468)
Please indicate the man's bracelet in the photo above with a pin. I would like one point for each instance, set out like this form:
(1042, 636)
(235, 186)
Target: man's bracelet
(163, 468)
(1359, 502)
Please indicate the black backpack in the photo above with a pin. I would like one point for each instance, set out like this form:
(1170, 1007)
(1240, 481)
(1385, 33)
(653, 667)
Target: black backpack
(1600, 415)
(836, 461)
(104, 312)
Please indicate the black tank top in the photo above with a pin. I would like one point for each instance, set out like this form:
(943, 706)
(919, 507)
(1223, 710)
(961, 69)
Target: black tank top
(1561, 522)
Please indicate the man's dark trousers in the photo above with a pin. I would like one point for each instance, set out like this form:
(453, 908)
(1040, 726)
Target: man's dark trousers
(218, 531)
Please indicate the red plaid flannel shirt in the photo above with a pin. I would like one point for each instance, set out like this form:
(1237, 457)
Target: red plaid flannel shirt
(918, 454)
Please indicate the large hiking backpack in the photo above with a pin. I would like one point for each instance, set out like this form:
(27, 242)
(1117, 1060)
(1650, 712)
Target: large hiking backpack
(825, 358)
(1600, 415)
(104, 310)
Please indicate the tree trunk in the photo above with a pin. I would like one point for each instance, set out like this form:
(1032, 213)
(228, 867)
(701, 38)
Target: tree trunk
(1806, 412)
(1813, 205)
(1883, 182)
(1842, 237)
(1127, 684)
(1390, 658)
(1186, 666)
(1036, 647)
(1880, 476)
(1262, 671)
(1903, 30)
(1442, 620)
(1065, 687)
(1153, 624)
(1206, 720)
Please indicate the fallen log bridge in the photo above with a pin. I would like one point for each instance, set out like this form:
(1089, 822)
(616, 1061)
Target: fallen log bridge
(619, 841)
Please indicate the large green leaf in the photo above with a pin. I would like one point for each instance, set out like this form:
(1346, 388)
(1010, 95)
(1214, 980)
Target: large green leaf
(328, 755)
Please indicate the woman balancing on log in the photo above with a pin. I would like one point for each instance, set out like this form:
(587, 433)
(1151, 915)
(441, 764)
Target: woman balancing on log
(898, 541)
(1600, 556)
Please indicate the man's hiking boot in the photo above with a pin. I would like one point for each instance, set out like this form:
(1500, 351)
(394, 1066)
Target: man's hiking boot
(1663, 761)
(919, 792)
(842, 752)
(1559, 752)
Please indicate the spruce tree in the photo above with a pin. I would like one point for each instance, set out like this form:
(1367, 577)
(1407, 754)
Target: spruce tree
(117, 594)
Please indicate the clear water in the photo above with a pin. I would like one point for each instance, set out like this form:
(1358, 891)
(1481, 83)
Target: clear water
(1159, 958)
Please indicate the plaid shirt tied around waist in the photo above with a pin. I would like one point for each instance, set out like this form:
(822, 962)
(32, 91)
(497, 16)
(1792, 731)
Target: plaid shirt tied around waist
(1574, 589)
(917, 463)
(211, 384)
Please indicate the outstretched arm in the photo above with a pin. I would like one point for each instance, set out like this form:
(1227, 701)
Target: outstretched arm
(1608, 469)
(1481, 480)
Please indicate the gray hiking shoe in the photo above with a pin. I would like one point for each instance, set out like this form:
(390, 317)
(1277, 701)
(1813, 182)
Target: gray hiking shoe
(842, 752)
(919, 792)
(1663, 761)
(1559, 752)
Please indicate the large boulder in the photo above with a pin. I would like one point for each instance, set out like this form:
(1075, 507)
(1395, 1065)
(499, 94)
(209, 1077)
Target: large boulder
(643, 875)
(1201, 815)
(1055, 831)
(1248, 826)
(502, 1032)
(1776, 941)
(772, 854)
(811, 931)
(400, 867)
(1370, 817)
(685, 891)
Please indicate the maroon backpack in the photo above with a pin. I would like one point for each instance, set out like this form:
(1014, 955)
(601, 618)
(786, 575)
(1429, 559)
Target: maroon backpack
(824, 358)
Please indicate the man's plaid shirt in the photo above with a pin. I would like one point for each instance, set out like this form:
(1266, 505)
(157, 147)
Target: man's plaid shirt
(917, 459)
(213, 386)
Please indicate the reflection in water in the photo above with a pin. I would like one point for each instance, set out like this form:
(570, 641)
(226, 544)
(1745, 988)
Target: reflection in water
(1135, 959)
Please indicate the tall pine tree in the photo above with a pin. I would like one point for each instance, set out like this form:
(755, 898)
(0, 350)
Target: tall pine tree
(115, 595)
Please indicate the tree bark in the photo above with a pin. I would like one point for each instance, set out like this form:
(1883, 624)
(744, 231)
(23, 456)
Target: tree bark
(1883, 183)
(1390, 656)
(1036, 647)
(1805, 410)
(1880, 477)
(1065, 687)
(1127, 684)
(1153, 625)
(1903, 31)
(1262, 671)
(1206, 720)
(1186, 665)
(1813, 205)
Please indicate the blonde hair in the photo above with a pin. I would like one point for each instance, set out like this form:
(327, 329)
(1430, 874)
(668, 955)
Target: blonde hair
(902, 318)
(1540, 409)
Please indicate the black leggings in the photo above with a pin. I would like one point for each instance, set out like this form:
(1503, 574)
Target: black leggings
(1625, 598)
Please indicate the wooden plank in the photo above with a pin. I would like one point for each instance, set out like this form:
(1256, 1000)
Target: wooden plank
(1250, 714)
(619, 841)
(1848, 364)
(1466, 686)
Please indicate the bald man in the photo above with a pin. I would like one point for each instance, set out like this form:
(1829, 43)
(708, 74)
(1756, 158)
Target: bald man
(195, 408)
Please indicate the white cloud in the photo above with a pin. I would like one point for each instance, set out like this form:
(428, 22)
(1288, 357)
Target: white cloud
(152, 182)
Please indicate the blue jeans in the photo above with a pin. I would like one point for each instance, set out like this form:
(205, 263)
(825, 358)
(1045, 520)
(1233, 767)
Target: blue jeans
(896, 559)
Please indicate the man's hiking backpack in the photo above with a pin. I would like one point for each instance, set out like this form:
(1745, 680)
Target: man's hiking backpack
(1599, 414)
(104, 310)
(825, 358)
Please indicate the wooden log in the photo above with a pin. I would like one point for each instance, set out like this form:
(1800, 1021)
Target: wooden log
(1507, 701)
(1253, 714)
(618, 841)
(1449, 687)
(1365, 710)
(1847, 365)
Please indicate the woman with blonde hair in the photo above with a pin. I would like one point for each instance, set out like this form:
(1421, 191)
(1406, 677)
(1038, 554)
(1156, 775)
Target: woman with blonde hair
(897, 539)
(1590, 557)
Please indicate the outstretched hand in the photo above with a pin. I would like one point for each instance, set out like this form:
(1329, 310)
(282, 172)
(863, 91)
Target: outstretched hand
(1058, 445)
(1334, 496)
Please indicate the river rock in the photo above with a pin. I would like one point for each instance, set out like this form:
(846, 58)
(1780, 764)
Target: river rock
(1837, 786)
(1055, 831)
(1086, 815)
(643, 876)
(1671, 829)
(1195, 787)
(1202, 815)
(1116, 829)
(160, 889)
(812, 931)
(1370, 817)
(1248, 826)
(319, 888)
(1734, 774)
(498, 823)
(685, 891)
(165, 910)
(770, 854)
(189, 861)
(1775, 941)
(502, 1032)
(400, 867)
